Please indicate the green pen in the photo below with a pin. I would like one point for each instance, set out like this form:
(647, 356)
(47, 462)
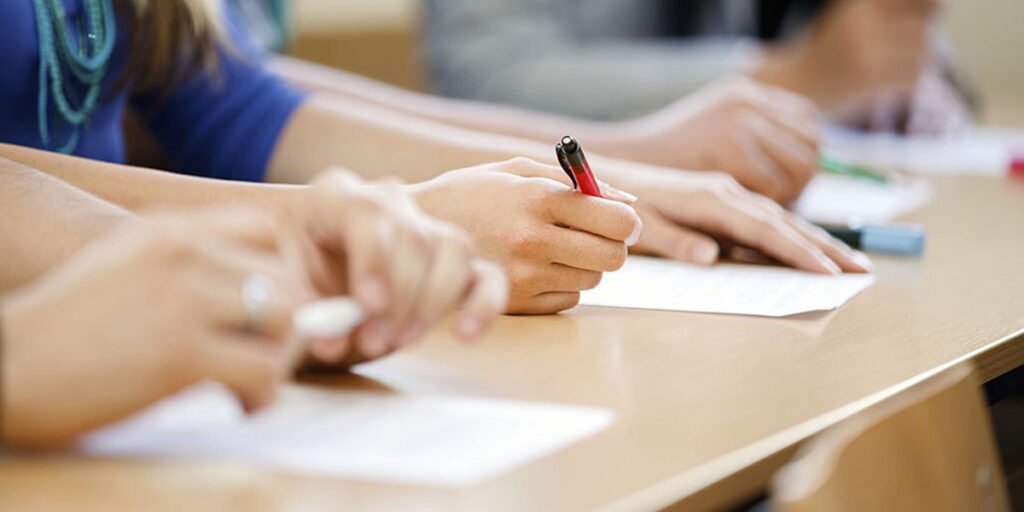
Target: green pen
(832, 164)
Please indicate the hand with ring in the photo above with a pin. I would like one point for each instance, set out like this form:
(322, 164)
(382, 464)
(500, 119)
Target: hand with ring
(157, 305)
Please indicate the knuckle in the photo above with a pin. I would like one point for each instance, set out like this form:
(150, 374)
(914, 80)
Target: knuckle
(168, 239)
(520, 162)
(522, 281)
(525, 242)
(765, 223)
(625, 220)
(725, 189)
(538, 192)
(614, 257)
(371, 202)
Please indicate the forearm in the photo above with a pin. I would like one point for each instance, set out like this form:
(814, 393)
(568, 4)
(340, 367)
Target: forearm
(136, 188)
(330, 130)
(472, 115)
(380, 143)
(608, 137)
(44, 220)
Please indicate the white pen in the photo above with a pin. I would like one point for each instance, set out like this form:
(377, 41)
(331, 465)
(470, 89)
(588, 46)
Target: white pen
(327, 318)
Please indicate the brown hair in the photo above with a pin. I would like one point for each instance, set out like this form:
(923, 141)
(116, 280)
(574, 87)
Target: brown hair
(170, 40)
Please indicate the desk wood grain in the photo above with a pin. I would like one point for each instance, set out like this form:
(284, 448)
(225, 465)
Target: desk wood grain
(707, 405)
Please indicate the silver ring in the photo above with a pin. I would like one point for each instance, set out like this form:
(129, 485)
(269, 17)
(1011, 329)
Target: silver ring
(256, 294)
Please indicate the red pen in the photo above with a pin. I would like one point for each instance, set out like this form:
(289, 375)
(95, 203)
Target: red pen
(574, 163)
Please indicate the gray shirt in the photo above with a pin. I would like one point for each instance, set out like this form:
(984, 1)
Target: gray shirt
(602, 59)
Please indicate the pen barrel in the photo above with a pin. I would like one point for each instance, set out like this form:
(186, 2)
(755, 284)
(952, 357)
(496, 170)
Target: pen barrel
(848, 236)
(584, 176)
(902, 239)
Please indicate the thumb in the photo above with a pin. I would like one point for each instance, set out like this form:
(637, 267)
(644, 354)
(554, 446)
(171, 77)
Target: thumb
(663, 238)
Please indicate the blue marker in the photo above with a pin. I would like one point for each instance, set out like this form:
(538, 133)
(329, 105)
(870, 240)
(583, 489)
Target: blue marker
(903, 239)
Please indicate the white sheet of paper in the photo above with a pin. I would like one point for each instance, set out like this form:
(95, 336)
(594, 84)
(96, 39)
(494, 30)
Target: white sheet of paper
(834, 199)
(430, 440)
(652, 283)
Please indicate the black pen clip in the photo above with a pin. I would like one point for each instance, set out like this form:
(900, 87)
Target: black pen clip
(563, 161)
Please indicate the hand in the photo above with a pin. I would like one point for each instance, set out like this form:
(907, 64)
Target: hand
(552, 241)
(405, 269)
(767, 138)
(142, 313)
(691, 216)
(854, 50)
(685, 215)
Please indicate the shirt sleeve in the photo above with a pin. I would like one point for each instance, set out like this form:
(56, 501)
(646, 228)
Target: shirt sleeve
(223, 124)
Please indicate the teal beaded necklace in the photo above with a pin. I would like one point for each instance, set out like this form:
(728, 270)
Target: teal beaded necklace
(86, 59)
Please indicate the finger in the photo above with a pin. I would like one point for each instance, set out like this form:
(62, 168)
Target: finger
(349, 358)
(486, 297)
(411, 260)
(366, 254)
(219, 287)
(796, 160)
(330, 351)
(376, 337)
(763, 175)
(610, 219)
(556, 277)
(548, 303)
(247, 365)
(356, 244)
(763, 227)
(583, 250)
(450, 277)
(848, 259)
(664, 238)
(794, 114)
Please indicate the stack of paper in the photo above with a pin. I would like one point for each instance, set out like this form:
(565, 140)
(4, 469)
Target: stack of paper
(651, 283)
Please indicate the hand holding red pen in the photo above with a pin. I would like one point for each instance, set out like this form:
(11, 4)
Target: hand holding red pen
(552, 241)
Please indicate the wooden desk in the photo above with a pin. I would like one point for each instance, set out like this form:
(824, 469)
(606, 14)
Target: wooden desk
(707, 406)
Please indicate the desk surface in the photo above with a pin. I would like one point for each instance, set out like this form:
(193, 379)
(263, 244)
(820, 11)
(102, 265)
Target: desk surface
(699, 398)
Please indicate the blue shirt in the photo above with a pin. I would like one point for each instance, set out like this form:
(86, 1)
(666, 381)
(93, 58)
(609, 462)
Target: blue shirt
(219, 126)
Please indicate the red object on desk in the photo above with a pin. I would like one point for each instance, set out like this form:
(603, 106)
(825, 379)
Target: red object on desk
(1017, 167)
(574, 163)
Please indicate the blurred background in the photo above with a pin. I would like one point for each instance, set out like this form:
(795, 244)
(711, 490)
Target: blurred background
(380, 39)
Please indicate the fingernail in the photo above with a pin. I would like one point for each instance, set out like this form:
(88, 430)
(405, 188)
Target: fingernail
(863, 260)
(615, 194)
(634, 237)
(378, 335)
(412, 334)
(470, 328)
(328, 351)
(704, 254)
(830, 265)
